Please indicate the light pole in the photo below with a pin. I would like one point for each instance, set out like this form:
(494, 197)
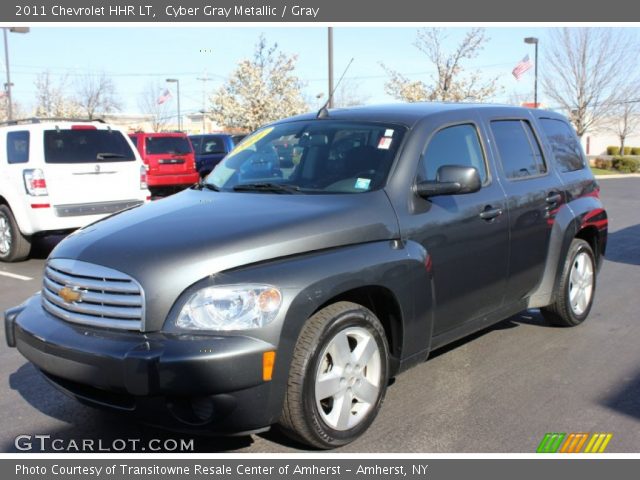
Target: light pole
(177, 82)
(6, 61)
(534, 41)
(204, 81)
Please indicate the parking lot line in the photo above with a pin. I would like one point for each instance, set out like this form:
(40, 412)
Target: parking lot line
(16, 276)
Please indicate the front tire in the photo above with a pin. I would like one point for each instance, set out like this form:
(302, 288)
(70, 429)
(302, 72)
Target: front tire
(576, 289)
(14, 246)
(338, 376)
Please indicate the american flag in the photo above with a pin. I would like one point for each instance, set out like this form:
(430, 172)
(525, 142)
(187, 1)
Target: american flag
(166, 95)
(522, 66)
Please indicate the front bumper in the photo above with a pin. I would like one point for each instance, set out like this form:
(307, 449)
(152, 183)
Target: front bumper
(179, 381)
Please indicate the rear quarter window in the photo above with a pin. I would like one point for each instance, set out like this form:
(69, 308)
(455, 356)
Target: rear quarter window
(18, 147)
(564, 144)
(86, 146)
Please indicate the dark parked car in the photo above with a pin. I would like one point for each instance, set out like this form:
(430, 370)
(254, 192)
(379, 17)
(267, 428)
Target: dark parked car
(292, 296)
(210, 149)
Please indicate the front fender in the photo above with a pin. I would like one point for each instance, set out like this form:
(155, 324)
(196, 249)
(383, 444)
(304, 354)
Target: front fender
(311, 280)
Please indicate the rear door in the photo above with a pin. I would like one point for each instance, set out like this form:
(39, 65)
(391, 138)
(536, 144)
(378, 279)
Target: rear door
(168, 154)
(86, 164)
(534, 194)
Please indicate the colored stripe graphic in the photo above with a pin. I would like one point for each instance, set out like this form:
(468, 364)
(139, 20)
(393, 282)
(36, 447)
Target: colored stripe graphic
(550, 443)
(573, 442)
(598, 443)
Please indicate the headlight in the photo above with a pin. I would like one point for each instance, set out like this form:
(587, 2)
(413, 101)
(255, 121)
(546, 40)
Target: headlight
(230, 307)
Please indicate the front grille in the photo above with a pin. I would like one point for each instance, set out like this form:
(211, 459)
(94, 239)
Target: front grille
(99, 208)
(95, 295)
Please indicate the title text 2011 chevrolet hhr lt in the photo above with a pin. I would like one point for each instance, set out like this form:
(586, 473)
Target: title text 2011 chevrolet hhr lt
(291, 294)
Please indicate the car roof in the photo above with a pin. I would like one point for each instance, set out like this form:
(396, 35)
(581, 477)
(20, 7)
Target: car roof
(410, 113)
(204, 135)
(160, 134)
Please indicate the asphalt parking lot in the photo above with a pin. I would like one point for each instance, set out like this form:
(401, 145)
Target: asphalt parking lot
(500, 390)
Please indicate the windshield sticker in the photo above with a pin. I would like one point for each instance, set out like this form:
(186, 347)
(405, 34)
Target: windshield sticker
(250, 141)
(384, 143)
(362, 183)
(388, 132)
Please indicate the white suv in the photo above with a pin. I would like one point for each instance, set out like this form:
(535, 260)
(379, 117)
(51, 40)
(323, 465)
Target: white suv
(59, 175)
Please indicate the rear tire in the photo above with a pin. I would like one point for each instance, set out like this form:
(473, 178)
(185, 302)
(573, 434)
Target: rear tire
(14, 246)
(338, 376)
(576, 289)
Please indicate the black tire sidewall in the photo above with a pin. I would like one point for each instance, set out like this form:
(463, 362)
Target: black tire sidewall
(6, 214)
(576, 248)
(357, 317)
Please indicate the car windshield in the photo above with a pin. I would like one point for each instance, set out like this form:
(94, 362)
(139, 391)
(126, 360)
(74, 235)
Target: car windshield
(169, 144)
(88, 145)
(317, 156)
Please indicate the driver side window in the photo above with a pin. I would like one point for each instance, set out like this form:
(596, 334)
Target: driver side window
(456, 145)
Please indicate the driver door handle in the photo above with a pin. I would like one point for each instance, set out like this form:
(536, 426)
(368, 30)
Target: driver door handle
(489, 213)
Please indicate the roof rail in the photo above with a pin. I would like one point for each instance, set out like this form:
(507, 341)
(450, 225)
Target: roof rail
(32, 120)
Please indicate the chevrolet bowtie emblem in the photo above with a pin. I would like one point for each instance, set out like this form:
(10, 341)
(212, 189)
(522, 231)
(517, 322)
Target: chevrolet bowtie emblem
(69, 295)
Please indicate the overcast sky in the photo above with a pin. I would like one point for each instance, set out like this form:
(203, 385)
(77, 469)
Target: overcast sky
(135, 55)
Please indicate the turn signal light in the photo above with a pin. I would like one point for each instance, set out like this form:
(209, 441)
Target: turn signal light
(268, 361)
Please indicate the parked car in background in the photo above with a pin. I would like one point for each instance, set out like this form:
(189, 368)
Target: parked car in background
(238, 137)
(210, 149)
(170, 161)
(292, 296)
(57, 175)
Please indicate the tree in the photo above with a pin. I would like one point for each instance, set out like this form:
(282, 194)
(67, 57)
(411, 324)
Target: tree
(96, 95)
(349, 94)
(583, 72)
(450, 82)
(16, 109)
(148, 102)
(51, 100)
(259, 91)
(626, 121)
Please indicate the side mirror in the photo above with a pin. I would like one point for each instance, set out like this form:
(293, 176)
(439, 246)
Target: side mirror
(450, 180)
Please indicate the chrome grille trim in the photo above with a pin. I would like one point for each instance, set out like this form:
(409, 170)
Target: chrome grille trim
(109, 298)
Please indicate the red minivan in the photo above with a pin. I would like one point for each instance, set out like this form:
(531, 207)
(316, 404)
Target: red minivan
(170, 159)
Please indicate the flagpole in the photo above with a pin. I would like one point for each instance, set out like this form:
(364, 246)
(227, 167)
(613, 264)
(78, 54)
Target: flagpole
(535, 41)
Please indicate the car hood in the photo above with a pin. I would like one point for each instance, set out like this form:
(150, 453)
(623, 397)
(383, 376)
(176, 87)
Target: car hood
(170, 244)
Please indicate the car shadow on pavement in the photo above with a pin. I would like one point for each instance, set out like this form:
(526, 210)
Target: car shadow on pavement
(41, 246)
(623, 246)
(626, 399)
(100, 426)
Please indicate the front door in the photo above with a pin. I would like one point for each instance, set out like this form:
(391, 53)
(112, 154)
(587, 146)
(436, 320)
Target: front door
(467, 235)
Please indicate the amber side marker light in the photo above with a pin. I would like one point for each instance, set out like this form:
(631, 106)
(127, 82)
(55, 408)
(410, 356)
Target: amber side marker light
(268, 360)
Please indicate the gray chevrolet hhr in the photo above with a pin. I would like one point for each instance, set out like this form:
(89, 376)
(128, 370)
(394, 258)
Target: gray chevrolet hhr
(321, 257)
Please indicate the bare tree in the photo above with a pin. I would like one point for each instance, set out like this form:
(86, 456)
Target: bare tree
(626, 121)
(349, 94)
(96, 95)
(151, 103)
(449, 83)
(583, 74)
(52, 99)
(259, 91)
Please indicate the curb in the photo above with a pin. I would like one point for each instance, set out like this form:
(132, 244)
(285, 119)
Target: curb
(618, 175)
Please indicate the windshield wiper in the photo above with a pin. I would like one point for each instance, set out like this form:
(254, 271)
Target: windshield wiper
(105, 155)
(266, 187)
